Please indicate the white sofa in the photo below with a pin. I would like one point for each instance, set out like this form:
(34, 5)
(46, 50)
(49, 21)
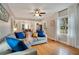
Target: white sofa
(40, 40)
(6, 50)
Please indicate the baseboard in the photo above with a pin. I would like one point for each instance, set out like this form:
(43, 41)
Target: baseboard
(61, 42)
(52, 38)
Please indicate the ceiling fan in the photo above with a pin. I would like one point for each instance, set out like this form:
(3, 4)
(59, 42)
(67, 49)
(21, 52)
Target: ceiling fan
(37, 12)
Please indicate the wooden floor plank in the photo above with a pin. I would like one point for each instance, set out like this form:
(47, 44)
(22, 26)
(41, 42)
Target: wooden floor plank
(55, 48)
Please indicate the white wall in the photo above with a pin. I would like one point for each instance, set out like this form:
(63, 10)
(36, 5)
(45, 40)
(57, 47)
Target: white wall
(51, 27)
(72, 15)
(31, 23)
(72, 38)
(5, 28)
(77, 26)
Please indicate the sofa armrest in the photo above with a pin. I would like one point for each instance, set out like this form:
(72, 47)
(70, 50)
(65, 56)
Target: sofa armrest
(30, 51)
(6, 52)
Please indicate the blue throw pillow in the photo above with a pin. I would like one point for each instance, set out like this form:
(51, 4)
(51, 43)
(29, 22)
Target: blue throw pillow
(41, 34)
(15, 44)
(20, 35)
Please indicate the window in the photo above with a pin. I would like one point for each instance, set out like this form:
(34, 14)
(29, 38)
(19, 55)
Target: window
(63, 22)
(64, 25)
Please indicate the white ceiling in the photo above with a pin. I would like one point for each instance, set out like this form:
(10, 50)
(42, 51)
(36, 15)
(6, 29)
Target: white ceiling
(24, 10)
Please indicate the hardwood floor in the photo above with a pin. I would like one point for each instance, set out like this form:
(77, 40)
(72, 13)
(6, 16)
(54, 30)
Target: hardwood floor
(55, 48)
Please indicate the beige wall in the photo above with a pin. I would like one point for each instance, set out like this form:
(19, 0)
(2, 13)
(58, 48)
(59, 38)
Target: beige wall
(51, 26)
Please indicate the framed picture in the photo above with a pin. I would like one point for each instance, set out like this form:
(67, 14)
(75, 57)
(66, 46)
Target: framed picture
(4, 16)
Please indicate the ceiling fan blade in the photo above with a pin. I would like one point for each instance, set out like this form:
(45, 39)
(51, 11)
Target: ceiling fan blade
(42, 13)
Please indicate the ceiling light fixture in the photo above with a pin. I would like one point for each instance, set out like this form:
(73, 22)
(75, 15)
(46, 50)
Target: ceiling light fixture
(36, 14)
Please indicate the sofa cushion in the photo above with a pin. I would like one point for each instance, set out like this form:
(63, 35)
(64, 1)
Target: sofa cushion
(15, 44)
(12, 35)
(4, 46)
(41, 34)
(35, 35)
(20, 35)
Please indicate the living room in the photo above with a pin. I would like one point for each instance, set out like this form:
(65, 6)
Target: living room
(39, 29)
